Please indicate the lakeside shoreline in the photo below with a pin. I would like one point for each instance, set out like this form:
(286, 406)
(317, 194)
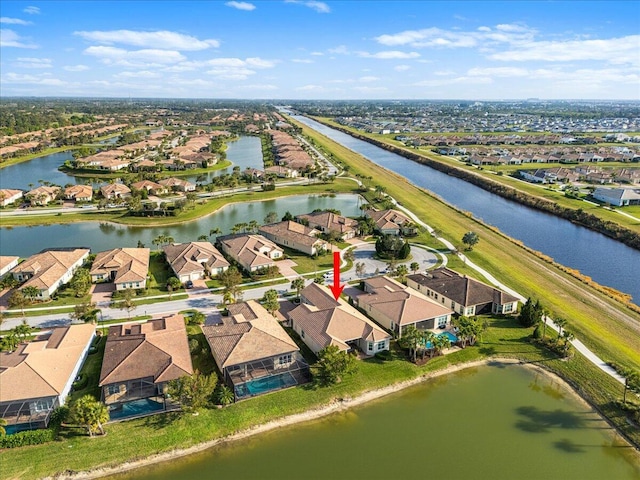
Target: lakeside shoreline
(336, 406)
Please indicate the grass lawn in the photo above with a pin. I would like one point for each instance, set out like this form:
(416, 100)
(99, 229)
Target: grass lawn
(169, 431)
(307, 264)
(91, 370)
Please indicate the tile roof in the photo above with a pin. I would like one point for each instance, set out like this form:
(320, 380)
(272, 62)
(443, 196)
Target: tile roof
(387, 219)
(130, 264)
(461, 289)
(400, 304)
(330, 221)
(331, 322)
(247, 334)
(248, 249)
(294, 231)
(157, 349)
(44, 366)
(49, 266)
(186, 258)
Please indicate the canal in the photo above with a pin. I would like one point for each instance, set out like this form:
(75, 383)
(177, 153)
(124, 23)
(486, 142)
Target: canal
(606, 261)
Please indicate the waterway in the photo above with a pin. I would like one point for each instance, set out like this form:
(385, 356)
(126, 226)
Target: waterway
(21, 175)
(493, 422)
(606, 261)
(245, 152)
(25, 241)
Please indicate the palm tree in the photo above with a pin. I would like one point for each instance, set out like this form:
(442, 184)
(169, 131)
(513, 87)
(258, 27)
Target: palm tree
(203, 238)
(214, 231)
(401, 272)
(560, 323)
(429, 340)
(442, 342)
(411, 340)
(415, 266)
(90, 413)
(297, 284)
(567, 337)
(30, 292)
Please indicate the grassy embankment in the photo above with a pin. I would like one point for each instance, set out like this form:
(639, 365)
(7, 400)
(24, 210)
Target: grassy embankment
(163, 433)
(606, 326)
(501, 174)
(202, 208)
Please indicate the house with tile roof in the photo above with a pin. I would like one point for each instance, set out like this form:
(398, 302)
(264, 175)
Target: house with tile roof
(139, 360)
(321, 320)
(327, 222)
(392, 222)
(49, 269)
(37, 376)
(296, 236)
(619, 197)
(396, 306)
(177, 184)
(465, 295)
(9, 196)
(253, 352)
(42, 195)
(195, 260)
(7, 262)
(115, 190)
(79, 193)
(251, 252)
(151, 187)
(125, 267)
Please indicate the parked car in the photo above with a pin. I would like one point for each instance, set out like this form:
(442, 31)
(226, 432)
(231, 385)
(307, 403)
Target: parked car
(189, 284)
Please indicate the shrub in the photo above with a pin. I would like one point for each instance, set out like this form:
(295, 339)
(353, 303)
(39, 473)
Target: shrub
(29, 437)
(383, 355)
(194, 346)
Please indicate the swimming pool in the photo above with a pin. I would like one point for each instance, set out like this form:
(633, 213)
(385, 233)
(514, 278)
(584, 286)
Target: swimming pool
(452, 338)
(265, 384)
(135, 408)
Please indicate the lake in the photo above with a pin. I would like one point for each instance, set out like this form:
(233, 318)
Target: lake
(492, 422)
(607, 261)
(246, 152)
(25, 241)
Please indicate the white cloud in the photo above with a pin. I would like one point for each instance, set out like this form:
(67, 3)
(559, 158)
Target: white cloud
(31, 10)
(613, 50)
(75, 68)
(311, 88)
(161, 39)
(319, 7)
(369, 90)
(42, 79)
(317, 54)
(301, 60)
(135, 58)
(29, 62)
(340, 50)
(498, 72)
(139, 74)
(14, 21)
(9, 38)
(440, 38)
(268, 87)
(453, 81)
(401, 68)
(444, 73)
(241, 5)
(389, 55)
(368, 79)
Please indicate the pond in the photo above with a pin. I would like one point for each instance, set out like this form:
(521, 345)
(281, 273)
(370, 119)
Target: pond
(491, 422)
(25, 241)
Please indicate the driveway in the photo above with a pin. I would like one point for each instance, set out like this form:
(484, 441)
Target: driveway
(286, 268)
(101, 293)
(365, 252)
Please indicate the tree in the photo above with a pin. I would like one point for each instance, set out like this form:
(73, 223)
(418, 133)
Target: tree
(631, 382)
(85, 312)
(468, 330)
(270, 301)
(271, 217)
(411, 340)
(3, 423)
(81, 282)
(223, 395)
(252, 226)
(23, 331)
(560, 323)
(297, 284)
(287, 216)
(91, 414)
(333, 365)
(126, 303)
(441, 343)
(530, 313)
(470, 239)
(567, 337)
(194, 391)
(415, 266)
(360, 269)
(30, 292)
(203, 238)
(18, 300)
(231, 279)
(401, 272)
(214, 231)
(174, 283)
(197, 318)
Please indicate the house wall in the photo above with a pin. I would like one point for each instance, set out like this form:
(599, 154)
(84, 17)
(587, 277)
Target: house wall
(309, 342)
(76, 370)
(8, 267)
(371, 348)
(128, 285)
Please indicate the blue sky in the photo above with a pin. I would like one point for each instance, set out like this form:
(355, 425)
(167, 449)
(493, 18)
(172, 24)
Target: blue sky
(300, 49)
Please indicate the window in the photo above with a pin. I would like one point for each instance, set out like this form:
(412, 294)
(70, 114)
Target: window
(381, 345)
(284, 359)
(507, 308)
(442, 322)
(113, 389)
(302, 333)
(41, 405)
(369, 346)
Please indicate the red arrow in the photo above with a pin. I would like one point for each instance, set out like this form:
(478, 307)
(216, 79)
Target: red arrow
(336, 288)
